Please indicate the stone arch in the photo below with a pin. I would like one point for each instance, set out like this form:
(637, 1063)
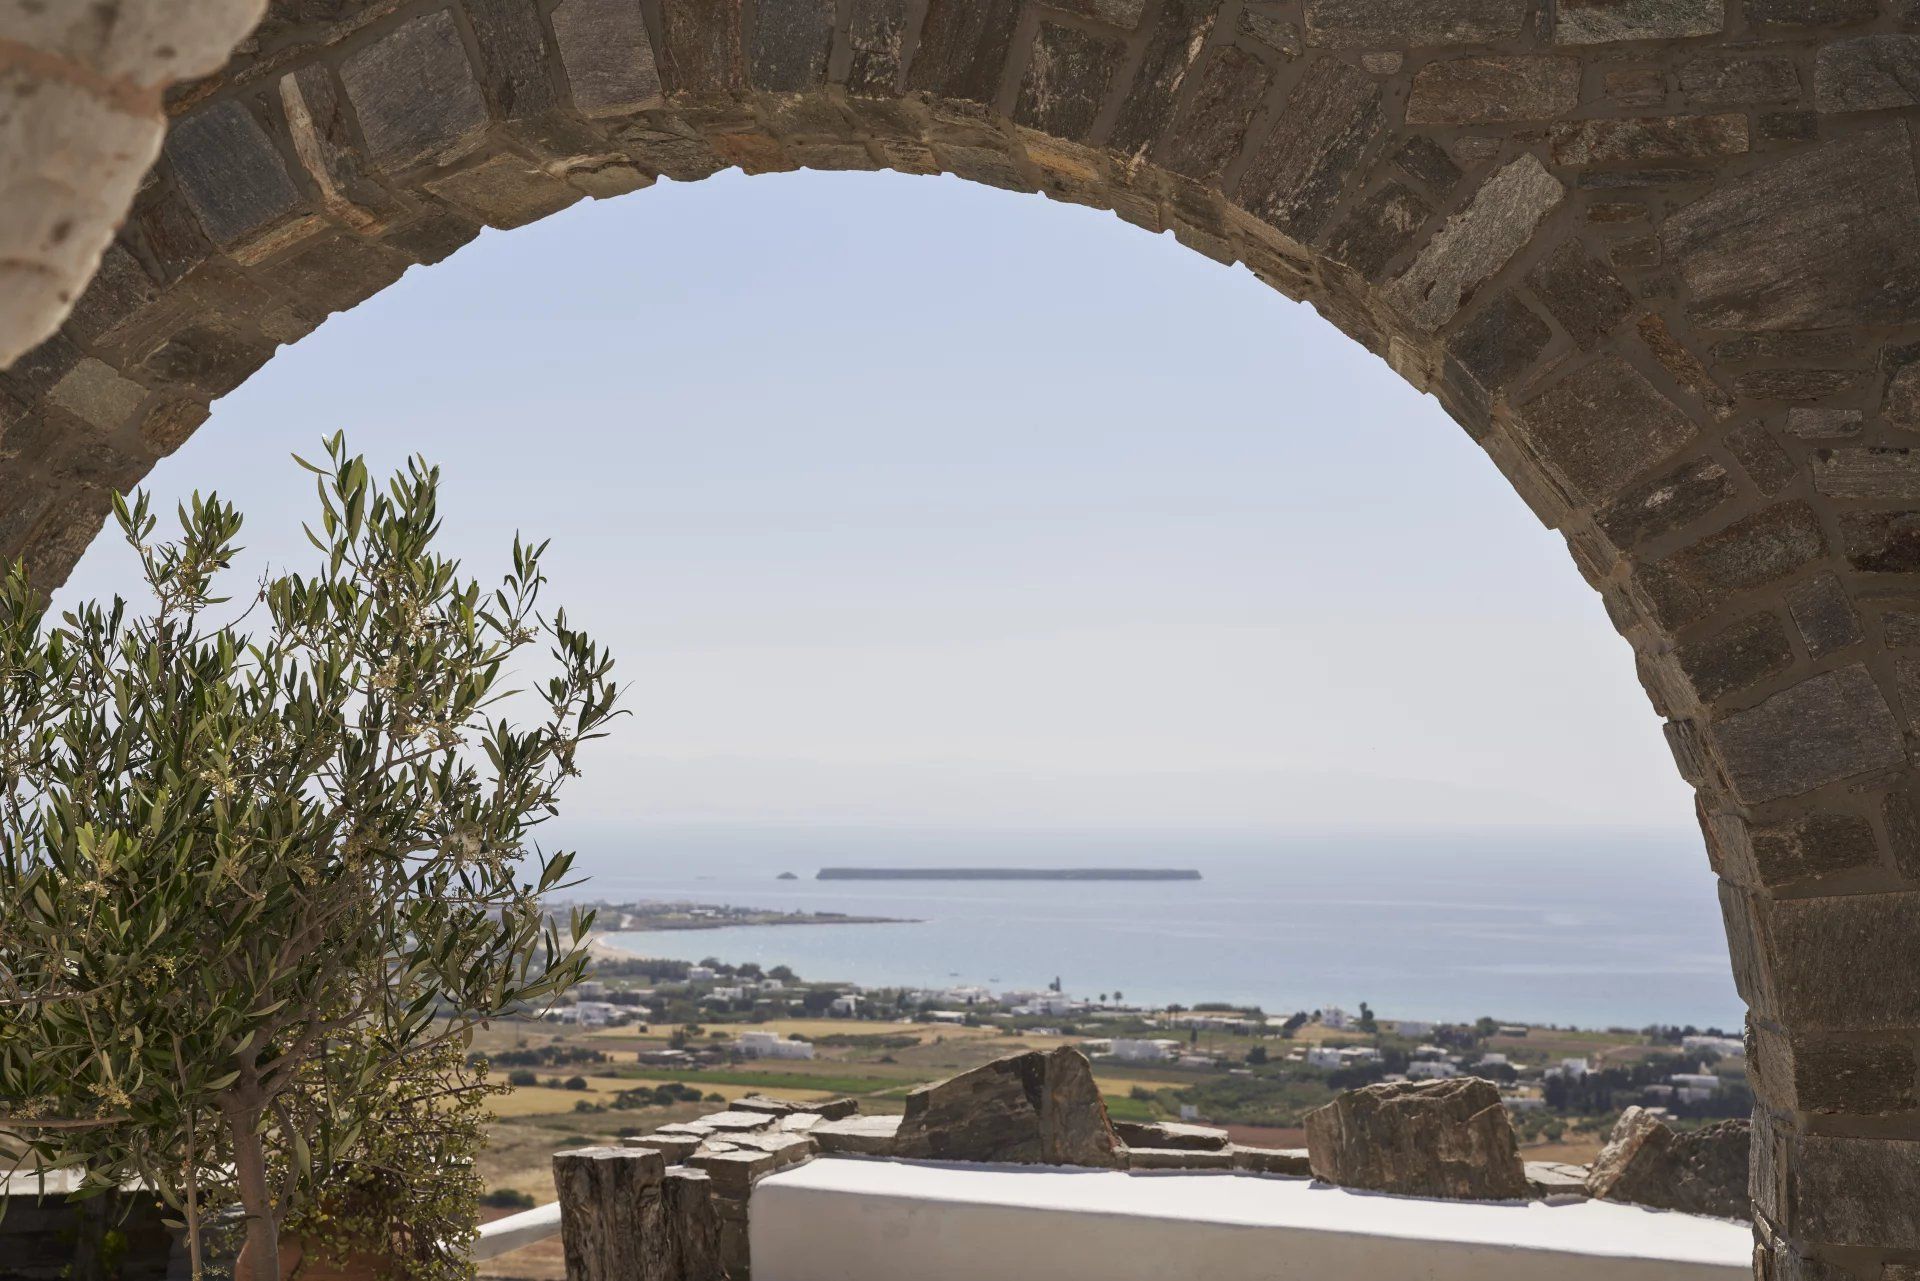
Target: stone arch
(1660, 258)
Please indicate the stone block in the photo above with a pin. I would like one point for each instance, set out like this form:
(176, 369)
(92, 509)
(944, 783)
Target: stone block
(1331, 117)
(1170, 1134)
(734, 1173)
(1378, 228)
(96, 393)
(1881, 542)
(1868, 73)
(1426, 161)
(1855, 1191)
(1862, 986)
(1177, 1159)
(1811, 13)
(874, 36)
(1179, 33)
(1493, 90)
(858, 1136)
(1815, 238)
(736, 1122)
(1031, 1108)
(1292, 1162)
(1665, 503)
(1828, 727)
(963, 47)
(337, 273)
(230, 173)
(1648, 139)
(1601, 426)
(1824, 424)
(612, 1224)
(1552, 1180)
(701, 54)
(210, 359)
(513, 58)
(1834, 1075)
(1823, 615)
(1745, 651)
(1448, 1138)
(1647, 1162)
(1500, 343)
(415, 95)
(692, 1227)
(1396, 24)
(1761, 457)
(1796, 384)
(785, 1149)
(505, 190)
(608, 56)
(1232, 86)
(1611, 21)
(1476, 242)
(1739, 79)
(1582, 293)
(170, 420)
(1271, 26)
(1682, 365)
(791, 41)
(673, 1148)
(1068, 74)
(1886, 473)
(1634, 87)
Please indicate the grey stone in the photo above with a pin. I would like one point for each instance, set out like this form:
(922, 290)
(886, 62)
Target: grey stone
(211, 359)
(1231, 87)
(1332, 115)
(1493, 90)
(1822, 237)
(414, 94)
(1824, 424)
(607, 55)
(1702, 1171)
(1178, 34)
(505, 190)
(1828, 727)
(1844, 1076)
(1811, 13)
(675, 1148)
(1861, 987)
(1582, 293)
(761, 1103)
(1648, 139)
(1476, 242)
(96, 393)
(230, 172)
(1868, 73)
(1500, 343)
(1755, 550)
(734, 1173)
(1739, 79)
(1556, 1179)
(1857, 1191)
(1610, 21)
(963, 46)
(701, 46)
(1170, 1134)
(1881, 542)
(791, 41)
(1292, 1162)
(1068, 74)
(1448, 1138)
(1665, 503)
(513, 57)
(1745, 651)
(1601, 426)
(1177, 1159)
(874, 35)
(1392, 24)
(1823, 615)
(692, 1226)
(1424, 160)
(1820, 844)
(1883, 472)
(1634, 86)
(1271, 28)
(1795, 384)
(858, 1135)
(1755, 449)
(1378, 228)
(119, 289)
(1037, 1108)
(736, 1122)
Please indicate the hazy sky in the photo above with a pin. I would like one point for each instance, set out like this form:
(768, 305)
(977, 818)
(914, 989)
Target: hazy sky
(905, 500)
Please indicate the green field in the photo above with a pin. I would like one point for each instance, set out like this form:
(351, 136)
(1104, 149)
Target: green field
(769, 1080)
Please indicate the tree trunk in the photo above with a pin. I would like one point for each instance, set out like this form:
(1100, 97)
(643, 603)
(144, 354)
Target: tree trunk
(260, 1256)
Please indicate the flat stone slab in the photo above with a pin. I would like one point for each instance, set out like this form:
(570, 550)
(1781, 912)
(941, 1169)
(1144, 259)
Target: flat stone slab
(858, 1135)
(732, 1122)
(1170, 1134)
(1178, 1159)
(1556, 1178)
(676, 1148)
(1293, 1162)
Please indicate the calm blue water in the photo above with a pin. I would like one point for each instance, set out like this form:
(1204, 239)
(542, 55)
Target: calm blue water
(1582, 928)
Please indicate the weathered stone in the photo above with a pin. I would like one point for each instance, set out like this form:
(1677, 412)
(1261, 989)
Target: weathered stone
(1493, 90)
(1761, 457)
(1823, 615)
(1836, 1075)
(318, 125)
(1786, 127)
(1068, 74)
(692, 1227)
(1824, 424)
(1292, 1162)
(1330, 118)
(1881, 542)
(1682, 365)
(1177, 37)
(612, 1222)
(858, 1135)
(700, 46)
(1811, 13)
(1822, 237)
(513, 57)
(734, 1173)
(1900, 405)
(1665, 503)
(1476, 242)
(608, 56)
(1634, 86)
(1584, 296)
(791, 40)
(1176, 1159)
(1448, 1138)
(170, 421)
(1041, 1108)
(1230, 89)
(1739, 79)
(1796, 384)
(210, 359)
(675, 1148)
(1884, 472)
(761, 1103)
(505, 191)
(785, 1148)
(1500, 343)
(1388, 24)
(963, 46)
(1868, 73)
(1733, 658)
(1653, 138)
(1556, 1179)
(1170, 1134)
(835, 1109)
(1602, 425)
(1828, 727)
(1647, 1162)
(1378, 228)
(1424, 160)
(1273, 29)
(414, 94)
(1812, 986)
(1609, 21)
(337, 273)
(434, 237)
(230, 172)
(95, 393)
(1856, 1191)
(120, 288)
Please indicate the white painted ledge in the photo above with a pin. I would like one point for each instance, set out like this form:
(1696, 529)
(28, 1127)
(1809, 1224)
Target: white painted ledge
(855, 1220)
(516, 1230)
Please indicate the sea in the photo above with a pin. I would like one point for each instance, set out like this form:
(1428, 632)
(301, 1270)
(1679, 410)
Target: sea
(1579, 928)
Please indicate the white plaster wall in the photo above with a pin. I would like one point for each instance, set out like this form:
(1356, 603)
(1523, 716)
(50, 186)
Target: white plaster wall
(851, 1220)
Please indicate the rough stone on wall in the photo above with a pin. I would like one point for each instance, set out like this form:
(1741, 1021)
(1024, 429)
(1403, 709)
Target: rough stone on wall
(1476, 242)
(1648, 1162)
(1447, 1138)
(1034, 1108)
(1828, 727)
(1375, 24)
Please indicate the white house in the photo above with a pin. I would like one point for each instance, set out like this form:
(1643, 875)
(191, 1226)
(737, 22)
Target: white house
(700, 974)
(590, 989)
(1131, 1050)
(1493, 1060)
(768, 1045)
(1324, 1056)
(590, 1013)
(1571, 1069)
(1727, 1047)
(947, 1016)
(844, 1007)
(1413, 1027)
(1336, 1018)
(1431, 1069)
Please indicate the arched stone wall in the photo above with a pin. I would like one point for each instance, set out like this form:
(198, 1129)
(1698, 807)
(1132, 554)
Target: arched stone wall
(1661, 258)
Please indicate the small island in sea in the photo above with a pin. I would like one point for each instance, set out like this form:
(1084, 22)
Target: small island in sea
(1007, 874)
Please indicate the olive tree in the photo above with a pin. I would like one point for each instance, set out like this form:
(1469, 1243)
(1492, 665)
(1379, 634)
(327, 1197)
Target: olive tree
(251, 868)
